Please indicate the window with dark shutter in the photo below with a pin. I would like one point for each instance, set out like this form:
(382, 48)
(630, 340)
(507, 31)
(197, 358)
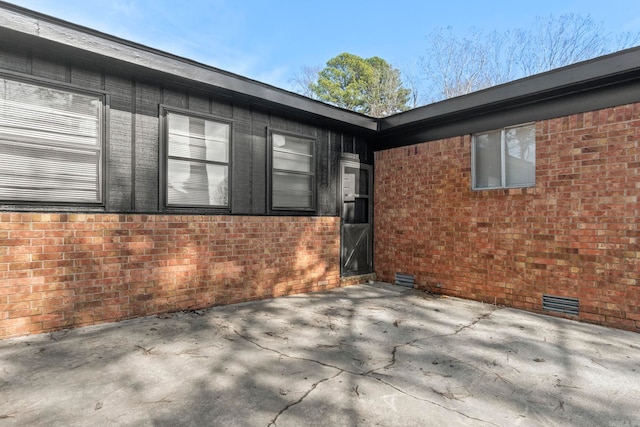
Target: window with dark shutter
(50, 144)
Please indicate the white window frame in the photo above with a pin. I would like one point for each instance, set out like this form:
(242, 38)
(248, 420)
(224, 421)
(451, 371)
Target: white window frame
(59, 141)
(166, 112)
(503, 160)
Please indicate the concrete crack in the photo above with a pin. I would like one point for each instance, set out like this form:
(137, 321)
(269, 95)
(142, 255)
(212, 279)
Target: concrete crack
(460, 329)
(478, 319)
(281, 354)
(457, 331)
(371, 373)
(274, 422)
(469, 417)
(387, 366)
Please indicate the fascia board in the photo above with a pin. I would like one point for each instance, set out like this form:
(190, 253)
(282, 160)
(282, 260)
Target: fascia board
(38, 25)
(593, 73)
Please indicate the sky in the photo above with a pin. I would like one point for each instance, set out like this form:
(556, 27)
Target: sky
(271, 40)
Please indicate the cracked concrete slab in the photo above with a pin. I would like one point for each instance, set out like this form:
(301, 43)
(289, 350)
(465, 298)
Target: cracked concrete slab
(362, 355)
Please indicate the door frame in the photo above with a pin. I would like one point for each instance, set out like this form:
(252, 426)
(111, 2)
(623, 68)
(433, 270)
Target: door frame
(354, 163)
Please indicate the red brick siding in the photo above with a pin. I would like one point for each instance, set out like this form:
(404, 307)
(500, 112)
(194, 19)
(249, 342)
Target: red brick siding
(575, 234)
(67, 270)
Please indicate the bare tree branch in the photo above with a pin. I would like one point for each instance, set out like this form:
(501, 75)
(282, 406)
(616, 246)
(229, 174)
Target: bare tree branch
(457, 65)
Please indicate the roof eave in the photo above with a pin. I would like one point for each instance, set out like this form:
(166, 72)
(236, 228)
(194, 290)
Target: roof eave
(607, 70)
(45, 27)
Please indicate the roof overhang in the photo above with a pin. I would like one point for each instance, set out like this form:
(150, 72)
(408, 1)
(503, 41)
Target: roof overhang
(598, 83)
(590, 85)
(85, 42)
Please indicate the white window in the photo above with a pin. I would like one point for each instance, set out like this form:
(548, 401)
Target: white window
(197, 161)
(50, 144)
(293, 172)
(505, 158)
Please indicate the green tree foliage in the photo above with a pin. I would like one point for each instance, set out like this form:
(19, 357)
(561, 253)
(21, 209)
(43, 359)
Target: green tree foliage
(370, 86)
(456, 63)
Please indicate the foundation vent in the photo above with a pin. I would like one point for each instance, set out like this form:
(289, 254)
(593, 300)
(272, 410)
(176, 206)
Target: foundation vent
(560, 304)
(404, 280)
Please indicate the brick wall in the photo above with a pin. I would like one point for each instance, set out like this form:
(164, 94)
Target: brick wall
(575, 234)
(66, 270)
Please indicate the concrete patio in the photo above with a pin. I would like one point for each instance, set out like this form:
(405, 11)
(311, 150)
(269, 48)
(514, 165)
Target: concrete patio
(368, 355)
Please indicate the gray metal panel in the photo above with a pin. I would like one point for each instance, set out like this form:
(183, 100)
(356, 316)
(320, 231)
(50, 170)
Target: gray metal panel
(406, 280)
(559, 304)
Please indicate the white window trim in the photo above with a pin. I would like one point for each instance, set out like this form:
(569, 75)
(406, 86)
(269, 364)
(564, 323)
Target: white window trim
(503, 161)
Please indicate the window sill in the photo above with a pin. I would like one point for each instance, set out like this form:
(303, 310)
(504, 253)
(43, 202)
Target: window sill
(512, 191)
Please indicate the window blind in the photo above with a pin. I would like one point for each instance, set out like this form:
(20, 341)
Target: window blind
(50, 144)
(292, 178)
(198, 161)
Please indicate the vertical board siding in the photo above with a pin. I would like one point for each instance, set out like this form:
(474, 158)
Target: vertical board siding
(334, 173)
(199, 102)
(221, 107)
(323, 170)
(242, 161)
(147, 149)
(15, 58)
(49, 67)
(120, 144)
(60, 270)
(86, 77)
(131, 145)
(259, 153)
(175, 96)
(362, 149)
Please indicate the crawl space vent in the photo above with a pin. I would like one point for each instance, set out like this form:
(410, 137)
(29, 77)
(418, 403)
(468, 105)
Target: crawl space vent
(560, 304)
(404, 280)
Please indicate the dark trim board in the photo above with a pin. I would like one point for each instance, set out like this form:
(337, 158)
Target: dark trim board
(608, 70)
(482, 119)
(601, 82)
(94, 44)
